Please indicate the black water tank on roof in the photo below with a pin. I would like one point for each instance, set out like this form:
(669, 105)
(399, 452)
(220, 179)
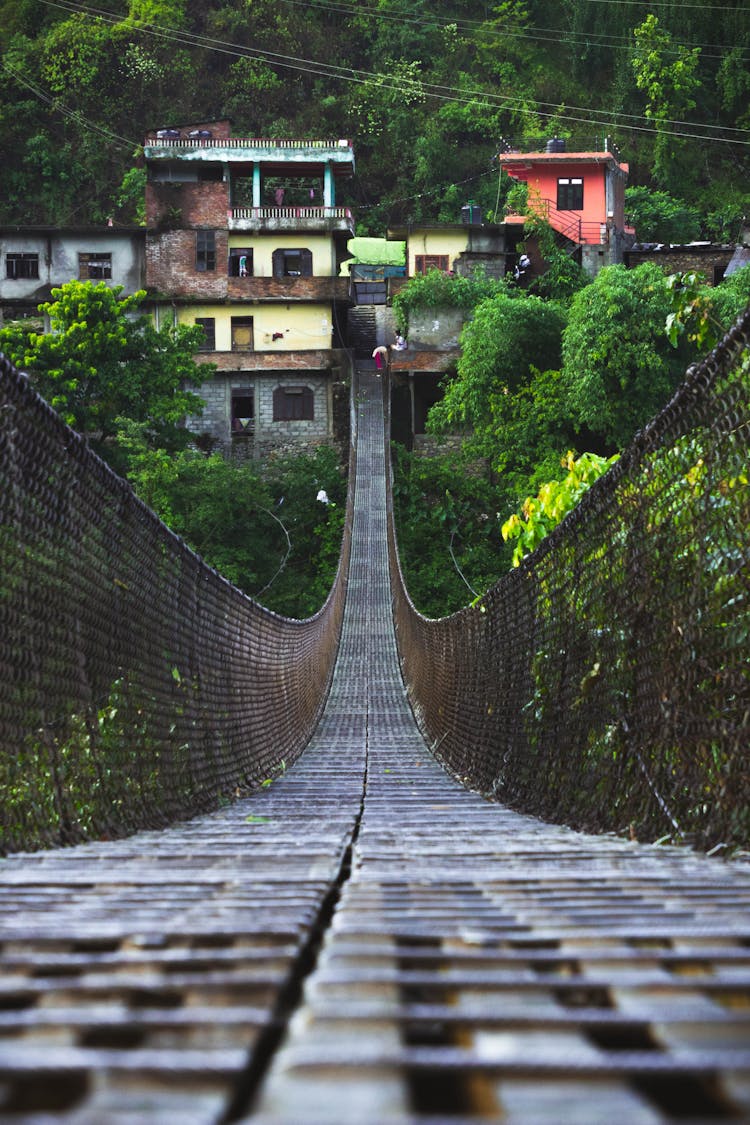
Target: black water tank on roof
(556, 144)
(471, 213)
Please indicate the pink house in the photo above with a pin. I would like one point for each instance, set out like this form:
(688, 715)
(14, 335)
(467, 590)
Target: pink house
(580, 194)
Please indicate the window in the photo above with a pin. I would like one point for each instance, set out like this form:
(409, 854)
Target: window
(243, 413)
(425, 262)
(208, 324)
(205, 250)
(94, 267)
(569, 195)
(21, 265)
(242, 333)
(240, 262)
(292, 263)
(293, 404)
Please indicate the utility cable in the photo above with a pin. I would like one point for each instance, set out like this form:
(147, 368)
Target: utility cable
(435, 91)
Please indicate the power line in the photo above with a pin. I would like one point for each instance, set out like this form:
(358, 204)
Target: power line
(55, 103)
(514, 30)
(547, 110)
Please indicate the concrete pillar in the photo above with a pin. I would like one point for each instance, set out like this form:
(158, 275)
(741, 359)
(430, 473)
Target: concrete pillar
(256, 185)
(329, 194)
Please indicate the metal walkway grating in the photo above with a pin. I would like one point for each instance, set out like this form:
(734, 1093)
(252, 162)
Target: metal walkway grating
(366, 942)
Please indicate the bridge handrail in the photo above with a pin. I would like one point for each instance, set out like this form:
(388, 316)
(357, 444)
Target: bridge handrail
(604, 683)
(137, 685)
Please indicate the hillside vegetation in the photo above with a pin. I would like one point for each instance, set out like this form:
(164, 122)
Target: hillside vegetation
(426, 90)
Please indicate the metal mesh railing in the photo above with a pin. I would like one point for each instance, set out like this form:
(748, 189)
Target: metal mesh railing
(606, 681)
(136, 685)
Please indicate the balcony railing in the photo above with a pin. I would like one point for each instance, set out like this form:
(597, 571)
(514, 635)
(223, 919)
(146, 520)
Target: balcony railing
(242, 142)
(259, 213)
(569, 223)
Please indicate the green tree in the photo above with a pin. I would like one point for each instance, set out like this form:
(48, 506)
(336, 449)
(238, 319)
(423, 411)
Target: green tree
(659, 217)
(618, 365)
(540, 514)
(507, 338)
(261, 527)
(666, 73)
(447, 516)
(101, 363)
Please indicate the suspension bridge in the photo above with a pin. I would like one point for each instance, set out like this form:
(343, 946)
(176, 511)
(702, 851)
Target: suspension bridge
(368, 938)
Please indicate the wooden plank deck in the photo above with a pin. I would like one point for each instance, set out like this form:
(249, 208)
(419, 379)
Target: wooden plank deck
(366, 942)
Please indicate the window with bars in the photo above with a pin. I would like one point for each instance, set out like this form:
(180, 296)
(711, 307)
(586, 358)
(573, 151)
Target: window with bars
(94, 267)
(293, 404)
(569, 194)
(19, 266)
(425, 262)
(208, 324)
(205, 250)
(242, 334)
(292, 263)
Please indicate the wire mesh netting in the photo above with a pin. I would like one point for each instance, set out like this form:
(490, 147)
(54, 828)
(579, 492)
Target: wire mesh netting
(136, 684)
(606, 681)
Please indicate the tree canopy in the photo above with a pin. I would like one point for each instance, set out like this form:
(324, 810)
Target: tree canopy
(101, 363)
(425, 92)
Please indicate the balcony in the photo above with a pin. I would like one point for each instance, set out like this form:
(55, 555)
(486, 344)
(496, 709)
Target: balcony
(569, 224)
(268, 361)
(315, 219)
(277, 156)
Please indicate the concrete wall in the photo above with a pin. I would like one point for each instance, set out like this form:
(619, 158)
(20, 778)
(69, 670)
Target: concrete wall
(303, 326)
(58, 259)
(263, 247)
(269, 436)
(450, 242)
(435, 328)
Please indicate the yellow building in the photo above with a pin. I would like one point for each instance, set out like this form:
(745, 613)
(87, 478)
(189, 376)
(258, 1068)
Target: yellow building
(245, 239)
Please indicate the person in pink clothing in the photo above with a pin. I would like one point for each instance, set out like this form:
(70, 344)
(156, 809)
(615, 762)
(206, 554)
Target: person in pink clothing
(380, 355)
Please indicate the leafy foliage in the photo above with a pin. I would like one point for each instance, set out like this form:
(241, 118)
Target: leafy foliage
(507, 337)
(263, 529)
(447, 511)
(438, 290)
(100, 363)
(414, 85)
(543, 512)
(618, 365)
(659, 217)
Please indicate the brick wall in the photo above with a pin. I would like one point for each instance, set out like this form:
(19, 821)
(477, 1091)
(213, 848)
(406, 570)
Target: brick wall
(685, 259)
(192, 204)
(170, 265)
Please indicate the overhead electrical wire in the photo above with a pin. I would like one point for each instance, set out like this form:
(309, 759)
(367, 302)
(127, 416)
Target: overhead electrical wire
(513, 30)
(75, 115)
(598, 119)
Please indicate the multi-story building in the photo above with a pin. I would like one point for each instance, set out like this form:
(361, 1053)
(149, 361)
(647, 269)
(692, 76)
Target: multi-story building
(244, 238)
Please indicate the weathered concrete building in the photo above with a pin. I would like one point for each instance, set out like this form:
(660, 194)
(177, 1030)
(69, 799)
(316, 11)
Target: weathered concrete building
(244, 238)
(35, 260)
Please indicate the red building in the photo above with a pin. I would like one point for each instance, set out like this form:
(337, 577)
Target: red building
(580, 194)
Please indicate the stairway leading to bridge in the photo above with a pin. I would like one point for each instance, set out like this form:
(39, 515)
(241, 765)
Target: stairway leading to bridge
(365, 941)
